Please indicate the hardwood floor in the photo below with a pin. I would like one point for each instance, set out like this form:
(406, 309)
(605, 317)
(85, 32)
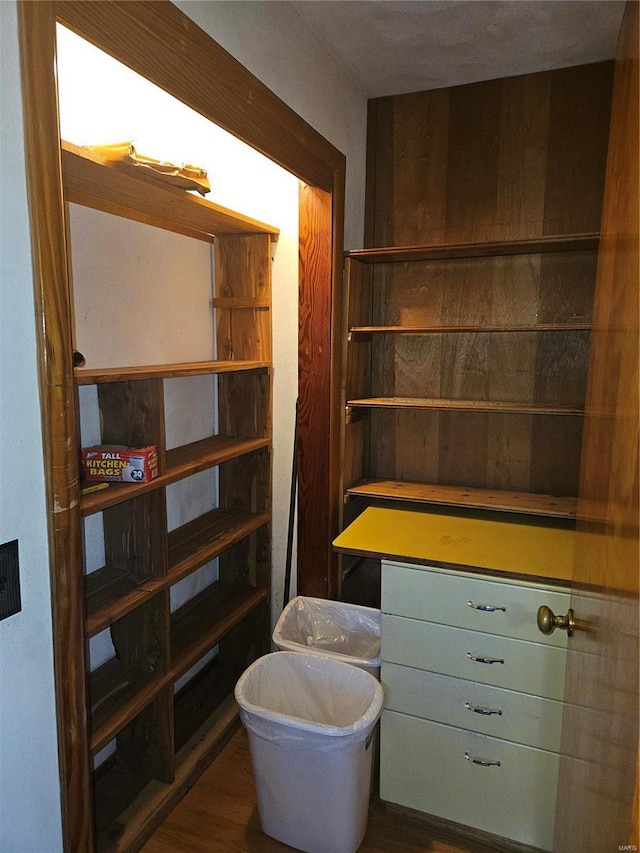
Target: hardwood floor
(219, 815)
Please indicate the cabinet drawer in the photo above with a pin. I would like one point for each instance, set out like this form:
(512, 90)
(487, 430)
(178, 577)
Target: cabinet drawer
(422, 766)
(524, 719)
(527, 667)
(446, 597)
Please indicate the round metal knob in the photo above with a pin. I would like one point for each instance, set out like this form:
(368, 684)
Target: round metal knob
(548, 621)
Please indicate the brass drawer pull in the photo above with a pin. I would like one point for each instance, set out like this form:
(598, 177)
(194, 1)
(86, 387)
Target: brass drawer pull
(478, 709)
(483, 762)
(478, 659)
(487, 608)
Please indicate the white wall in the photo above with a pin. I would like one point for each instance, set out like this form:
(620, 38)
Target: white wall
(29, 786)
(276, 45)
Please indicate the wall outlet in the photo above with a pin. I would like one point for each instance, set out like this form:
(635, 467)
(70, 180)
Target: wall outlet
(9, 579)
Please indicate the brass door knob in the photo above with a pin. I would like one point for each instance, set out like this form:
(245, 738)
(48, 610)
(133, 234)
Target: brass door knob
(548, 621)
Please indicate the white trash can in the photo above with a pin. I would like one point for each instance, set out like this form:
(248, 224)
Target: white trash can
(333, 629)
(310, 723)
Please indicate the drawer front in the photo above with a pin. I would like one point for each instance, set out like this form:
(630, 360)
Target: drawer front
(446, 597)
(481, 708)
(422, 767)
(526, 667)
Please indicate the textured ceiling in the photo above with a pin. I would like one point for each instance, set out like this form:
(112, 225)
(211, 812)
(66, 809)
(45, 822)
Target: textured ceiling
(406, 46)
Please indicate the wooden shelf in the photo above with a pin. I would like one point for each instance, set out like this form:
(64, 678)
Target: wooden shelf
(181, 462)
(199, 541)
(202, 622)
(118, 694)
(404, 254)
(111, 593)
(128, 805)
(464, 406)
(359, 332)
(462, 496)
(96, 376)
(96, 182)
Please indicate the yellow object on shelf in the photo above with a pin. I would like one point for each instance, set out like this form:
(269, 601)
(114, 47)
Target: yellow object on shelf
(521, 547)
(184, 176)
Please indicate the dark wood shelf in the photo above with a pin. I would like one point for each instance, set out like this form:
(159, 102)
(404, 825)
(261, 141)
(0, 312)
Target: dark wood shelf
(462, 496)
(128, 806)
(97, 376)
(181, 462)
(118, 694)
(199, 541)
(464, 406)
(404, 254)
(112, 593)
(365, 332)
(202, 622)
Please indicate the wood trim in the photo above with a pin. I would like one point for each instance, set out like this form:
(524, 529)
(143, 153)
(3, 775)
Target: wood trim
(138, 33)
(57, 400)
(315, 404)
(158, 41)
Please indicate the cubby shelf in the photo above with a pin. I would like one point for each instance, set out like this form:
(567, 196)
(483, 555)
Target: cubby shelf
(112, 592)
(181, 462)
(126, 801)
(202, 622)
(119, 693)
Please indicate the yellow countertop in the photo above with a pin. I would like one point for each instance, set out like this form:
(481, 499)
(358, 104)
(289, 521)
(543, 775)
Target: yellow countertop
(514, 545)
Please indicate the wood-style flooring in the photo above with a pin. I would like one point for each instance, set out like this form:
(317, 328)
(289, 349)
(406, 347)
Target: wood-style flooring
(219, 815)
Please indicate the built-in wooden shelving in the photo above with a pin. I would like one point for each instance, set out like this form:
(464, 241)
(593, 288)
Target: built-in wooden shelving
(161, 743)
(465, 374)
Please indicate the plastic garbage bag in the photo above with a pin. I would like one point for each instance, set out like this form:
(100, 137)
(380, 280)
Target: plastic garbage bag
(293, 697)
(345, 632)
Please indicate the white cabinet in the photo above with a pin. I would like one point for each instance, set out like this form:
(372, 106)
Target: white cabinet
(472, 721)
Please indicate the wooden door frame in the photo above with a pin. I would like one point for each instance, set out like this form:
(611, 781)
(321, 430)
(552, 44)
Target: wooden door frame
(599, 749)
(157, 40)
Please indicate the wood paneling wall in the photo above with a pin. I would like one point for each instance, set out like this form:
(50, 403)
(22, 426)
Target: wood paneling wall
(513, 158)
